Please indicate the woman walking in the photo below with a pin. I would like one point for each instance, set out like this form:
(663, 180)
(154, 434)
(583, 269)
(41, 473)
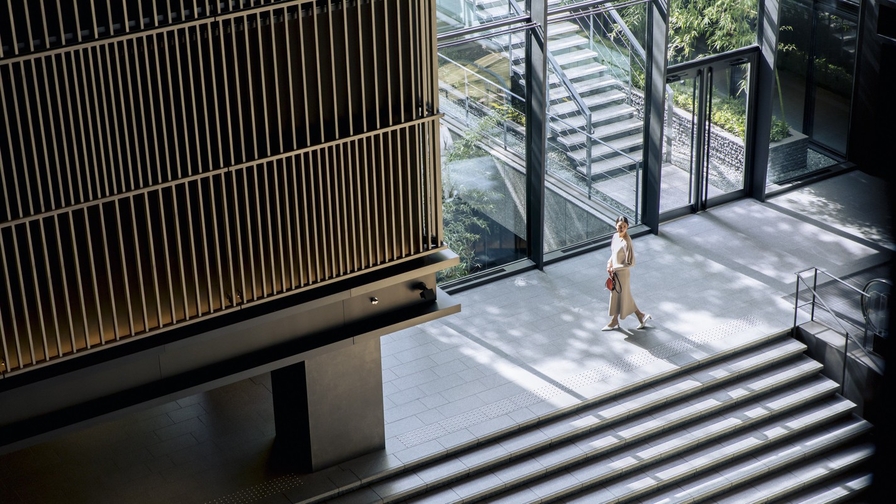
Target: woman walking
(622, 258)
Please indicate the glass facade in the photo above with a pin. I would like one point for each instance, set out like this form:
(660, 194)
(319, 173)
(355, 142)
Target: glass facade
(813, 87)
(597, 141)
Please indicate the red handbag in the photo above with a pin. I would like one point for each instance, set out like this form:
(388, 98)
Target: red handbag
(612, 283)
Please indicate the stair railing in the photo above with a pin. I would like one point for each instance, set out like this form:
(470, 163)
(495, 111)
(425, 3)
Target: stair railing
(817, 300)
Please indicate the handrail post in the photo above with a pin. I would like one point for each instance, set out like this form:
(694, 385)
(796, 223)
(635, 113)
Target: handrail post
(814, 290)
(845, 361)
(796, 299)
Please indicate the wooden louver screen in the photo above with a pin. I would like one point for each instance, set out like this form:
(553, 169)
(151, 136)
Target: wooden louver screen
(149, 177)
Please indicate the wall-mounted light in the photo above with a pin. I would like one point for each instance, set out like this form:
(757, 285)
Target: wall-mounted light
(425, 292)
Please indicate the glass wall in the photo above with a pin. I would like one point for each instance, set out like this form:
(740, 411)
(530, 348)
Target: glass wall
(483, 152)
(594, 124)
(813, 87)
(596, 128)
(702, 27)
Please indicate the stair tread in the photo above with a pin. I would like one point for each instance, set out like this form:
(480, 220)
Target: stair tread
(490, 480)
(724, 354)
(723, 468)
(834, 491)
(615, 128)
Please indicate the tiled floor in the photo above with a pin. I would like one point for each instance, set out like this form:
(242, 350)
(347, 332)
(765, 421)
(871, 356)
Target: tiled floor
(521, 346)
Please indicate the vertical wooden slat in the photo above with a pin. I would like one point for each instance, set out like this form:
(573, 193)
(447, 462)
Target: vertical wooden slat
(64, 277)
(298, 191)
(266, 197)
(330, 43)
(308, 207)
(102, 120)
(79, 282)
(140, 282)
(251, 246)
(15, 41)
(64, 138)
(125, 162)
(37, 288)
(193, 257)
(101, 170)
(264, 85)
(348, 218)
(317, 63)
(276, 168)
(230, 261)
(374, 41)
(278, 122)
(168, 44)
(143, 122)
(51, 284)
(370, 224)
(114, 89)
(151, 56)
(204, 92)
(87, 129)
(148, 221)
(22, 150)
(204, 247)
(6, 116)
(76, 158)
(290, 89)
(180, 255)
(357, 205)
(213, 208)
(110, 285)
(225, 78)
(135, 131)
(348, 67)
(163, 220)
(239, 252)
(362, 80)
(9, 296)
(238, 93)
(387, 65)
(250, 89)
(22, 294)
(304, 82)
(192, 93)
(124, 268)
(93, 282)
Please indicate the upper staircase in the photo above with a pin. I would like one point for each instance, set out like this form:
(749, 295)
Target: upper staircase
(755, 423)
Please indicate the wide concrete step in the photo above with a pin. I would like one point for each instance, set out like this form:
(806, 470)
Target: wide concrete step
(636, 474)
(846, 488)
(597, 84)
(660, 434)
(576, 57)
(592, 103)
(611, 167)
(626, 144)
(767, 367)
(602, 117)
(606, 132)
(814, 474)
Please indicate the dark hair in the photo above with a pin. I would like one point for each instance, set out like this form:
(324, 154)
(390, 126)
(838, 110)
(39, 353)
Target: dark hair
(622, 218)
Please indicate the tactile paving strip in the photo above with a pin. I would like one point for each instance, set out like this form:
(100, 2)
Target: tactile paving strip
(266, 489)
(575, 382)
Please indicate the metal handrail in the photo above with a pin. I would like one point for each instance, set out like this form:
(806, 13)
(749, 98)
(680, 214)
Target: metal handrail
(816, 296)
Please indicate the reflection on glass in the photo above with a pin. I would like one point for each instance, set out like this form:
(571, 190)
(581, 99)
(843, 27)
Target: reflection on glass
(483, 153)
(595, 135)
(703, 27)
(704, 146)
(452, 15)
(813, 83)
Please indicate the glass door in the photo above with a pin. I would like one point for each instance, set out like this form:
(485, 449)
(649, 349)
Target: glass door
(704, 151)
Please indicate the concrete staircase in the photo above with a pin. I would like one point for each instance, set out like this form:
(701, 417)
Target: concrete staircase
(754, 424)
(607, 112)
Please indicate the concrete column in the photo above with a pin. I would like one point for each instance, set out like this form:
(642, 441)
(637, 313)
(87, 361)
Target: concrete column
(329, 409)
